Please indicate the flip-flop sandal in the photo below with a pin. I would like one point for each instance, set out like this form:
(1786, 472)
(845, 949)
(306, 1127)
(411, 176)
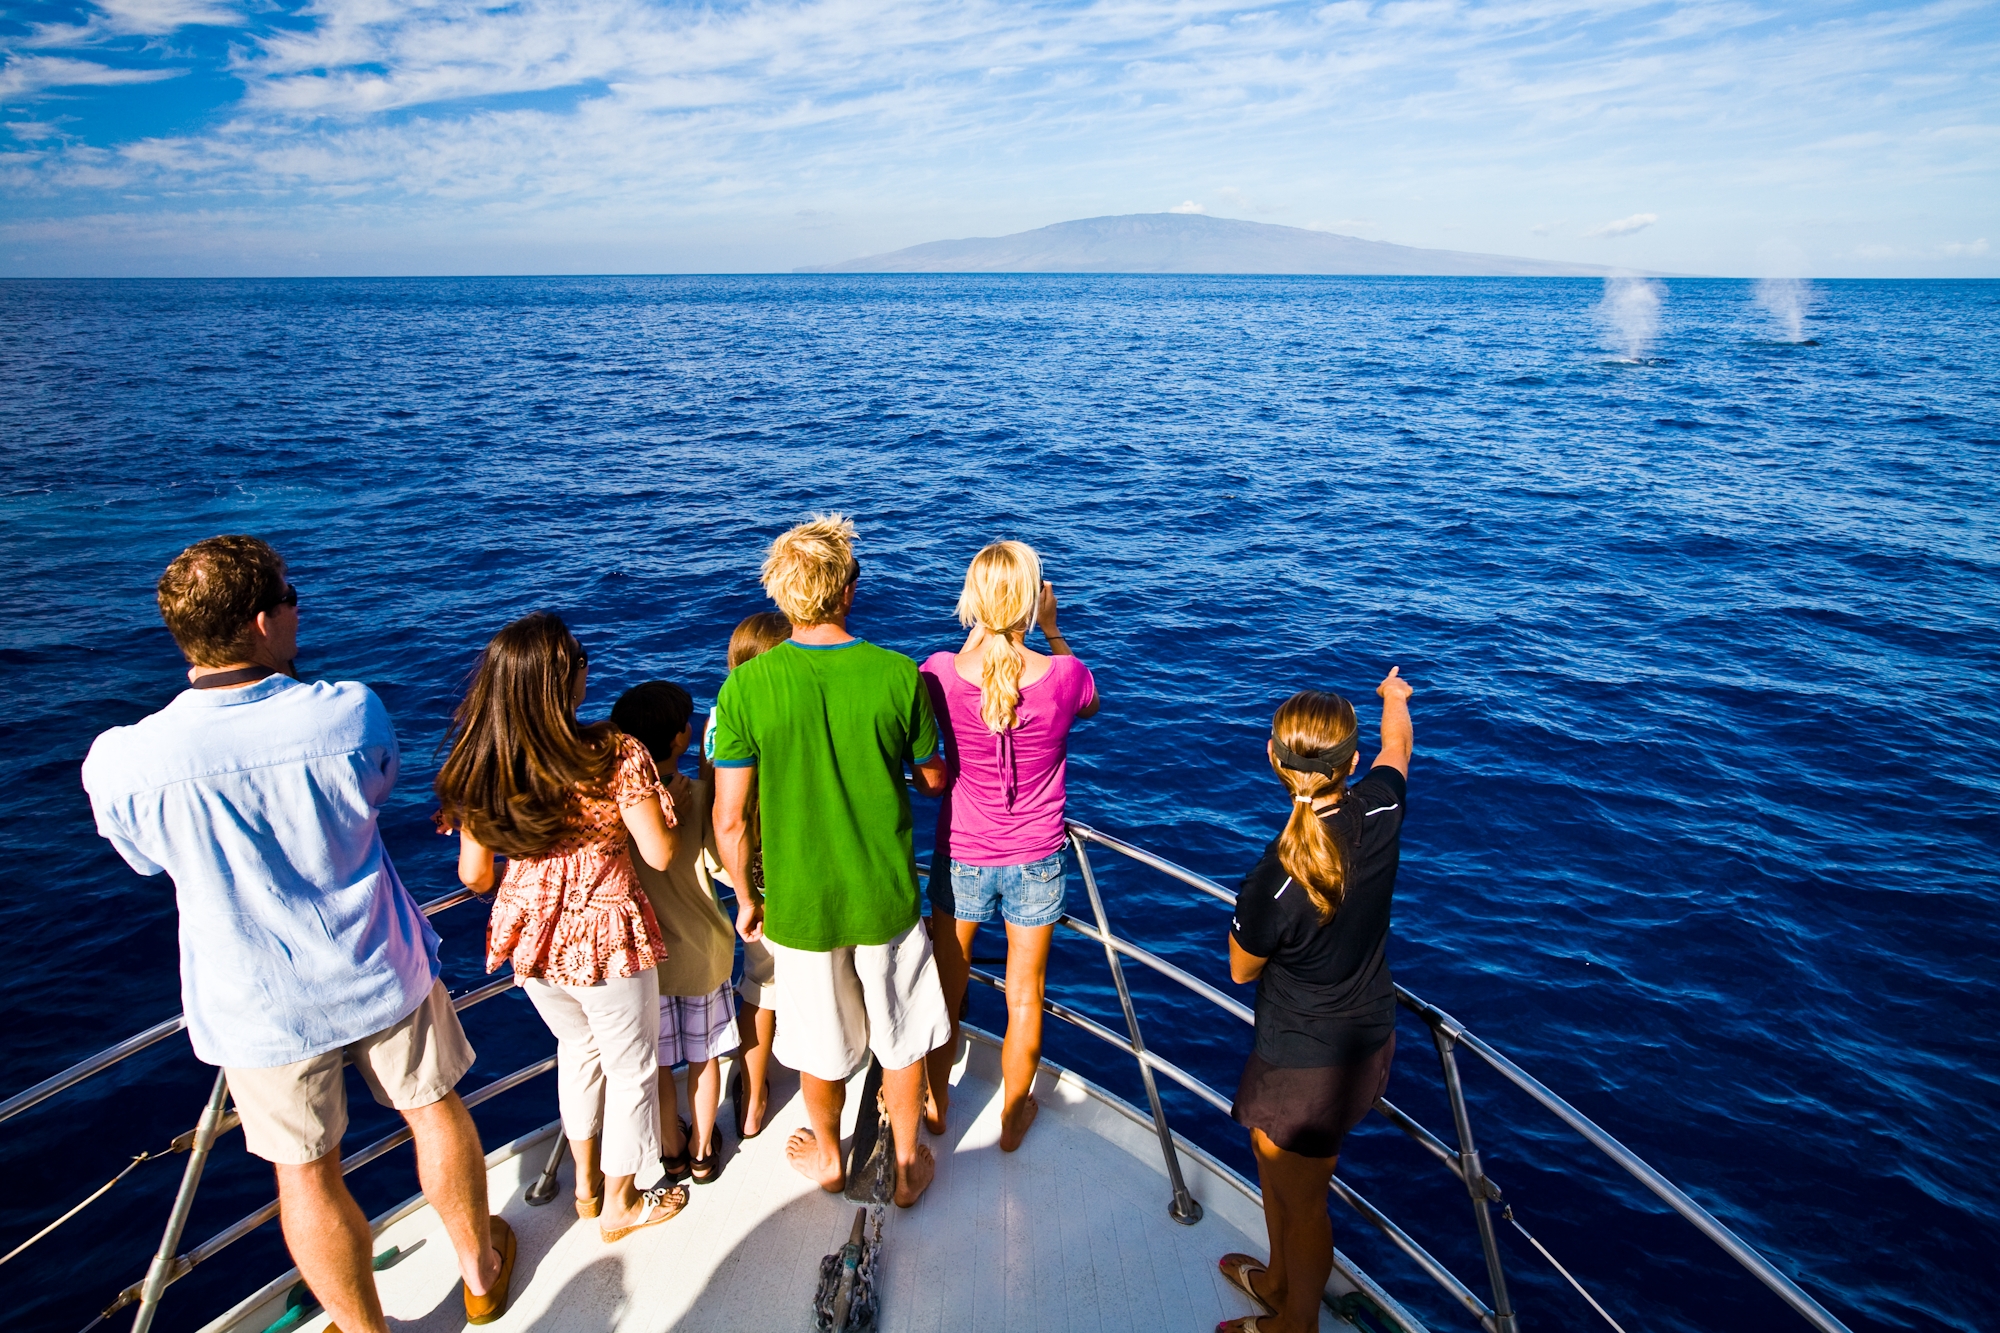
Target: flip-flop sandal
(704, 1170)
(1249, 1323)
(1236, 1269)
(678, 1166)
(592, 1206)
(662, 1202)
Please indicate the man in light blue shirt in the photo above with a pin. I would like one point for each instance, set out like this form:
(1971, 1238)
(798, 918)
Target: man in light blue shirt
(300, 948)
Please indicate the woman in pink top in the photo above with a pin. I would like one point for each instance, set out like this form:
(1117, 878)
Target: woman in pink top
(1005, 712)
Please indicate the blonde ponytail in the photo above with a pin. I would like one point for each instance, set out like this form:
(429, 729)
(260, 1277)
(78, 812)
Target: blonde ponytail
(1002, 585)
(1000, 682)
(1313, 737)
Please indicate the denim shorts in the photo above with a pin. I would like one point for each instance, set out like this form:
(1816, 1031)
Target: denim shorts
(1027, 895)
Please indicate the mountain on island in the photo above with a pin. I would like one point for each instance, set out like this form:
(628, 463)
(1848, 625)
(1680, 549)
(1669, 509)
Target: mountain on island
(1192, 243)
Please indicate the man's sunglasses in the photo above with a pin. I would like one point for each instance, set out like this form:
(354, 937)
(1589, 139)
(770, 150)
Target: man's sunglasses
(290, 597)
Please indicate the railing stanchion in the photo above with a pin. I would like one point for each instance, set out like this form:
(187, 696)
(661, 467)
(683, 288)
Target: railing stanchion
(1504, 1320)
(1184, 1208)
(544, 1188)
(160, 1271)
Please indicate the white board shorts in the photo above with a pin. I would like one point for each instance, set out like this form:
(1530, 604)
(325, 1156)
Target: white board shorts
(842, 1004)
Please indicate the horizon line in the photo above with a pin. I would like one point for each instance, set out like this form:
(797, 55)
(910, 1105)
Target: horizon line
(965, 273)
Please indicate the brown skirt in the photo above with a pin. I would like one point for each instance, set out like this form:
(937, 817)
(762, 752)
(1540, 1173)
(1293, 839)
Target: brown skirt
(1309, 1111)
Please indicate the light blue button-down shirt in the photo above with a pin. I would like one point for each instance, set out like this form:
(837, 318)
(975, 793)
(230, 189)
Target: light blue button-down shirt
(262, 802)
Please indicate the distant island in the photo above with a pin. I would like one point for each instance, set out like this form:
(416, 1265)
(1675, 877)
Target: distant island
(1193, 243)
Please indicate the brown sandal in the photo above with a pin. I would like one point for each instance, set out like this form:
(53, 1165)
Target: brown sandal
(677, 1166)
(704, 1170)
(485, 1309)
(1236, 1270)
(662, 1202)
(592, 1206)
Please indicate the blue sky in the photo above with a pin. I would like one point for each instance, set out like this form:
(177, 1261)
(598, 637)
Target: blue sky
(576, 136)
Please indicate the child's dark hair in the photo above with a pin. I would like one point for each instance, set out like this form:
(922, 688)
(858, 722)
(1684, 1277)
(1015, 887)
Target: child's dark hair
(653, 714)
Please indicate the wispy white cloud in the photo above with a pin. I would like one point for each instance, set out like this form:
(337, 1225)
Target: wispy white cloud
(1626, 226)
(967, 117)
(134, 18)
(1963, 250)
(155, 18)
(1188, 206)
(25, 76)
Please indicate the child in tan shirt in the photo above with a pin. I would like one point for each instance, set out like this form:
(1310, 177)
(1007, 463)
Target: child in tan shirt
(697, 1006)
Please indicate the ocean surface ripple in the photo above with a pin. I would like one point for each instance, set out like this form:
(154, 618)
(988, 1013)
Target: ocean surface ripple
(1703, 817)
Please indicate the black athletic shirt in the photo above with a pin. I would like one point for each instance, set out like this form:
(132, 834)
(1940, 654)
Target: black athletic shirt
(1325, 997)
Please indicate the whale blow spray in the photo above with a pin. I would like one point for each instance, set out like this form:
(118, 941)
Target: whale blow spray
(1787, 300)
(1631, 313)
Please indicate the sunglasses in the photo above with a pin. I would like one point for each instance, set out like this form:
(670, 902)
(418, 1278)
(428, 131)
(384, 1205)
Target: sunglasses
(290, 597)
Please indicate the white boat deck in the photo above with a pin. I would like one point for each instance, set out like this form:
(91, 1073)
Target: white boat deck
(1070, 1233)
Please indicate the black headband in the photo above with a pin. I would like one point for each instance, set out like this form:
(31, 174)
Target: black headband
(1334, 763)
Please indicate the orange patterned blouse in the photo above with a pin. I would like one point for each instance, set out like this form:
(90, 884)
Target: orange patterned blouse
(575, 915)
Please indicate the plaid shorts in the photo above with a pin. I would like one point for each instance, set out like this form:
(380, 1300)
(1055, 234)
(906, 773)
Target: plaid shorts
(694, 1028)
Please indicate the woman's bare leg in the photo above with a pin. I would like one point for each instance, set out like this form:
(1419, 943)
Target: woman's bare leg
(704, 1095)
(1021, 1052)
(756, 1028)
(951, 943)
(1295, 1191)
(589, 1180)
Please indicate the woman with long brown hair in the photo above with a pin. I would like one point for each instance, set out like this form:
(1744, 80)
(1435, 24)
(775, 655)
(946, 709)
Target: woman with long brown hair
(1311, 929)
(525, 780)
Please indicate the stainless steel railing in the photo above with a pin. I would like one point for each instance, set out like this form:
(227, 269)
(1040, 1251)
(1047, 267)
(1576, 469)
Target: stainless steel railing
(1447, 1033)
(169, 1265)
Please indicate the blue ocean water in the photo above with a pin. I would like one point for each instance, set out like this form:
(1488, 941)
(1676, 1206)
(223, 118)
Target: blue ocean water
(1702, 821)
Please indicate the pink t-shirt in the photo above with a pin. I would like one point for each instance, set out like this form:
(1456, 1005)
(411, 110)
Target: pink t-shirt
(1005, 805)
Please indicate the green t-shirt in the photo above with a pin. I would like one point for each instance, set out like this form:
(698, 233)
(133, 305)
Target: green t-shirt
(827, 730)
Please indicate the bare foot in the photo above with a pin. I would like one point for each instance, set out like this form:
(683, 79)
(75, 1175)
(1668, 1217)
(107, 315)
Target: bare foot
(815, 1163)
(1014, 1122)
(912, 1181)
(935, 1109)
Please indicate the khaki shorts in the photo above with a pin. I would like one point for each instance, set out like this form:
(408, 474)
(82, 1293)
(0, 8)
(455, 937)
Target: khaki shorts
(294, 1114)
(759, 985)
(844, 1003)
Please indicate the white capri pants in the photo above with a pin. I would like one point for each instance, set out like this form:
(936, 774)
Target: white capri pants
(608, 1066)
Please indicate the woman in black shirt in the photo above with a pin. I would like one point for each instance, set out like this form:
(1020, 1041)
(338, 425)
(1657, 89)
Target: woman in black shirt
(1311, 926)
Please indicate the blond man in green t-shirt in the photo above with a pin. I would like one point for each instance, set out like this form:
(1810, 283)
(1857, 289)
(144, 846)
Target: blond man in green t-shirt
(823, 725)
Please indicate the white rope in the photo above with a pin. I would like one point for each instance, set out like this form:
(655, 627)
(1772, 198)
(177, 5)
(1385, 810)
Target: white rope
(144, 1156)
(1508, 1213)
